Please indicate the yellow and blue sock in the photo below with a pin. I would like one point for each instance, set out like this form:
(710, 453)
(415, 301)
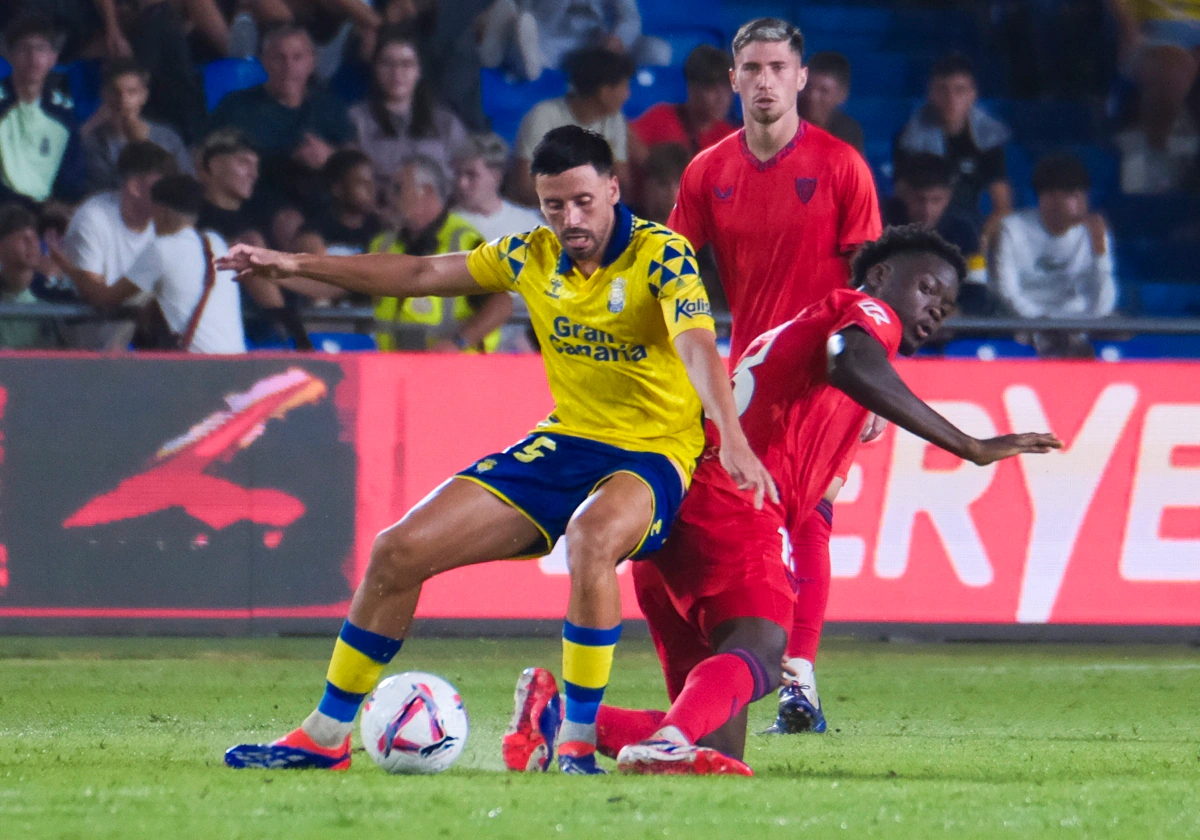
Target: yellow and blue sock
(587, 663)
(359, 657)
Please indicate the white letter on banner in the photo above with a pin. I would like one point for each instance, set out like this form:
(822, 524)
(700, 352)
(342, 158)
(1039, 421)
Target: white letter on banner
(846, 554)
(943, 494)
(1158, 485)
(1061, 487)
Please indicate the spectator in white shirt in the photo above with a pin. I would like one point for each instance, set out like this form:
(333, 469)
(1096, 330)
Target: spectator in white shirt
(177, 270)
(201, 305)
(479, 170)
(1055, 260)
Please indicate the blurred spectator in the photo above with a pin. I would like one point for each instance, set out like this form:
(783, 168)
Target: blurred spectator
(229, 172)
(159, 36)
(924, 186)
(201, 306)
(351, 222)
(119, 121)
(88, 27)
(334, 25)
(1160, 42)
(539, 34)
(401, 117)
(699, 122)
(228, 28)
(826, 92)
(40, 151)
(660, 180)
(952, 125)
(479, 168)
(293, 123)
(1055, 260)
(20, 257)
(424, 225)
(110, 230)
(599, 88)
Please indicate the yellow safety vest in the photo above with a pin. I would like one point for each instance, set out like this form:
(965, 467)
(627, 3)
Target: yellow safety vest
(440, 315)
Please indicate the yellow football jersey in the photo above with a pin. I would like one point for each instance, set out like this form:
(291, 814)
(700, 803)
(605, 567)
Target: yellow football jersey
(607, 340)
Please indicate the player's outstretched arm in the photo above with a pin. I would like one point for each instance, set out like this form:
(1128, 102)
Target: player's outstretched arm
(697, 349)
(859, 367)
(379, 275)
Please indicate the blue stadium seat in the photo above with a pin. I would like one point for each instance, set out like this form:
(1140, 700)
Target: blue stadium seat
(1156, 261)
(226, 75)
(1150, 347)
(651, 85)
(1142, 216)
(505, 101)
(5, 68)
(887, 74)
(1050, 124)
(1165, 300)
(988, 349)
(882, 117)
(735, 14)
(337, 342)
(684, 39)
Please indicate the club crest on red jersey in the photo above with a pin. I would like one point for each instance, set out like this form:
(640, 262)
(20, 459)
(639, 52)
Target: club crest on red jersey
(805, 187)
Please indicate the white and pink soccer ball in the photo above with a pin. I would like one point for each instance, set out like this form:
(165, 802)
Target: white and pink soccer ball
(414, 723)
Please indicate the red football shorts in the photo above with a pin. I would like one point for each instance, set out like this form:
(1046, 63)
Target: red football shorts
(723, 560)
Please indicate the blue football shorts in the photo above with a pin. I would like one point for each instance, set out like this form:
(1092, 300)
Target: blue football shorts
(548, 476)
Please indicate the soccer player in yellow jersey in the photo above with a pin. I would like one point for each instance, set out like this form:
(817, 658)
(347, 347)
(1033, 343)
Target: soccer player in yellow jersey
(631, 358)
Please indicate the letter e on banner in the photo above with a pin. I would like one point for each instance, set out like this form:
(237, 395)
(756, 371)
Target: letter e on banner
(1159, 486)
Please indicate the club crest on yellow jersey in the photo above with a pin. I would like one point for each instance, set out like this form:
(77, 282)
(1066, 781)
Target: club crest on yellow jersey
(616, 296)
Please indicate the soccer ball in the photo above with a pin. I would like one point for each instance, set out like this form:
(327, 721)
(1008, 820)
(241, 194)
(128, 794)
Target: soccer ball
(414, 723)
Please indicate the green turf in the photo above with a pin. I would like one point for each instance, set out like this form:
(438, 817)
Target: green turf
(123, 738)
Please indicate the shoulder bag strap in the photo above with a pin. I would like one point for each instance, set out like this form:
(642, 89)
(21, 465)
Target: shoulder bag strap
(210, 280)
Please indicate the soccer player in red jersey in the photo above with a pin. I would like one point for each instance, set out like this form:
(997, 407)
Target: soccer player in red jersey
(784, 205)
(718, 597)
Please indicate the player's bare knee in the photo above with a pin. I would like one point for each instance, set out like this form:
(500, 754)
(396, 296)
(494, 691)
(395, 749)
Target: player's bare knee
(398, 558)
(760, 643)
(592, 553)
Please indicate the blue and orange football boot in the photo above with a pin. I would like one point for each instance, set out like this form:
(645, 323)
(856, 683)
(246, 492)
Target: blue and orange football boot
(671, 758)
(528, 744)
(576, 758)
(294, 751)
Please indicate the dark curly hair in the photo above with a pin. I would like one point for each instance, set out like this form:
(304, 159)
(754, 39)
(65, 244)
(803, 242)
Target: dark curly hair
(906, 239)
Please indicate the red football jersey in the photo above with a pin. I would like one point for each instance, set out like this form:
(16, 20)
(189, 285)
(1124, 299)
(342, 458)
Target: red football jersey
(782, 229)
(800, 426)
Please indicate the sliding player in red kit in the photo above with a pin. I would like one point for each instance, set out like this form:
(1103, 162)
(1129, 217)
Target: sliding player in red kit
(718, 596)
(784, 205)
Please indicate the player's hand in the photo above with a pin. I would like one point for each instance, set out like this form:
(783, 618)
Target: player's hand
(1098, 233)
(262, 263)
(998, 448)
(743, 467)
(875, 427)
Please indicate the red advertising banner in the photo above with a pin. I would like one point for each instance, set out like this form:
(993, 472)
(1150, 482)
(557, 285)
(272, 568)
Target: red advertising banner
(251, 489)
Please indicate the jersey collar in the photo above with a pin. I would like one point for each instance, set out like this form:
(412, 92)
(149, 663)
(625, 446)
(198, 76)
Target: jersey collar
(622, 235)
(764, 165)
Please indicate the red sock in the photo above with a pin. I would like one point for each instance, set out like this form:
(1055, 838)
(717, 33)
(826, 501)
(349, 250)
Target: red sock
(616, 727)
(810, 554)
(716, 690)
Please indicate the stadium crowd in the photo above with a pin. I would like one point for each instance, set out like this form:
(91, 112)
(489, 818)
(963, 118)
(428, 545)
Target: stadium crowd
(365, 131)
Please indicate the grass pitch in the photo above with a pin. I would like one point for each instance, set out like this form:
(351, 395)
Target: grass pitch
(123, 738)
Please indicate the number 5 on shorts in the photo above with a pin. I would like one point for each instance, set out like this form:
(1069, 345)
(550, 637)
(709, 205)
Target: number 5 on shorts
(535, 450)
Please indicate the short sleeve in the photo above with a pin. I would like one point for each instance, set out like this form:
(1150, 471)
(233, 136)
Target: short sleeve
(876, 319)
(687, 217)
(858, 215)
(82, 242)
(496, 265)
(675, 281)
(146, 270)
